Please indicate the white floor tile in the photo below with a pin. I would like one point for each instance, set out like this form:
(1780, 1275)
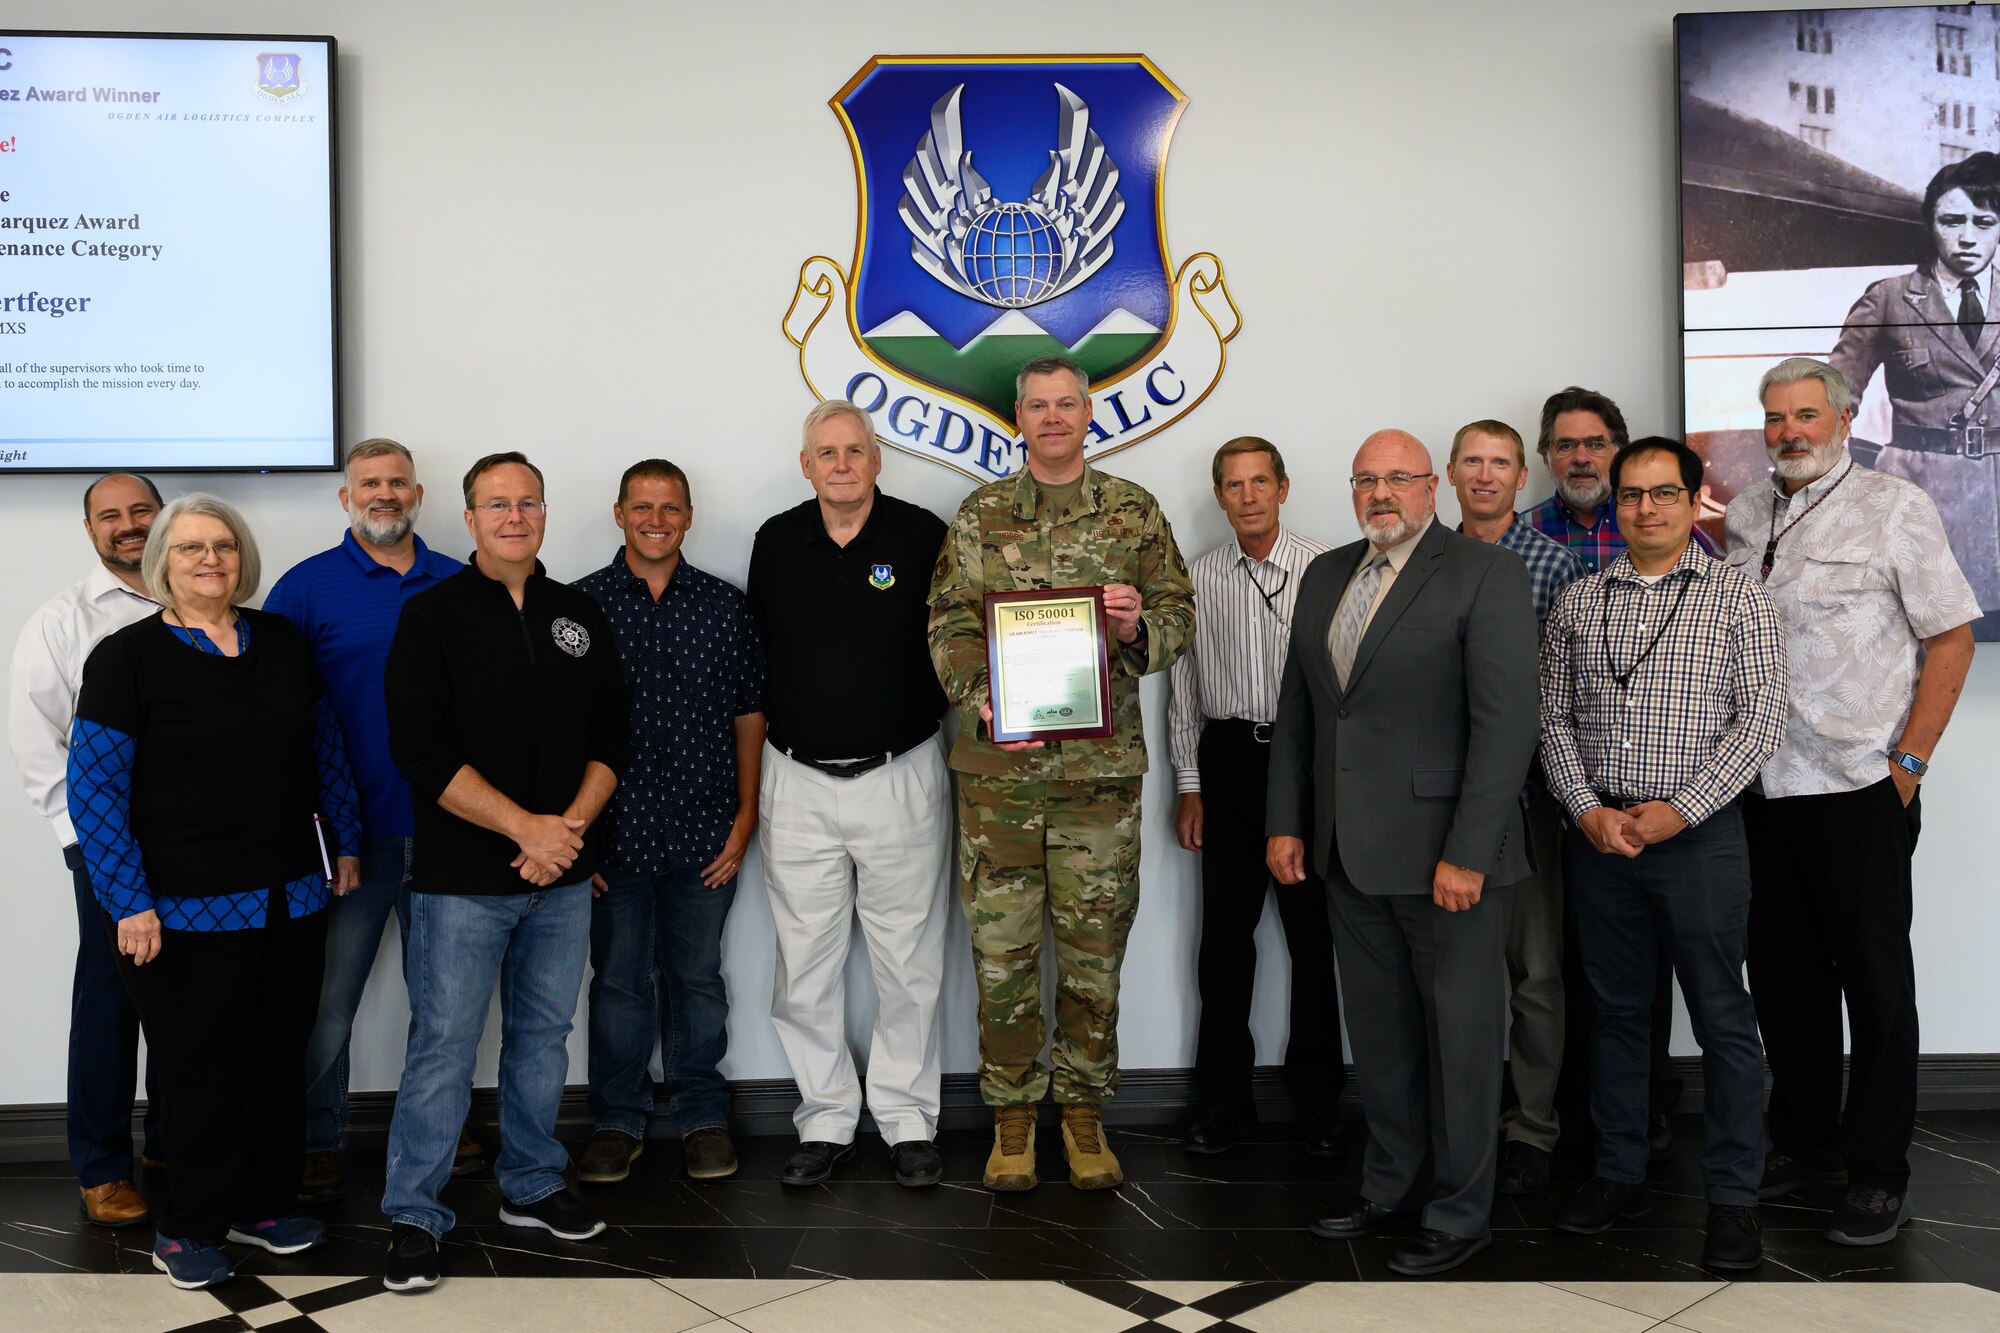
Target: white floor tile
(1844, 1307)
(1185, 1320)
(1462, 1307)
(727, 1295)
(1187, 1293)
(289, 1287)
(938, 1307)
(519, 1305)
(102, 1303)
(266, 1315)
(1662, 1300)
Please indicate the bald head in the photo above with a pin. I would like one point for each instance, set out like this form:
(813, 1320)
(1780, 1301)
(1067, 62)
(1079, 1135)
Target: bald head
(1387, 512)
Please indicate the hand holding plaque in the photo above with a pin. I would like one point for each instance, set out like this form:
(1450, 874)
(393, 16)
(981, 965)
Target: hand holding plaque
(1048, 669)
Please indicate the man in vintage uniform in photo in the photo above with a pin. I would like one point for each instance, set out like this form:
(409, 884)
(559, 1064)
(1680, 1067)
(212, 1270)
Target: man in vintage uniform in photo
(345, 602)
(1225, 695)
(1663, 692)
(674, 836)
(1049, 832)
(1877, 619)
(1488, 469)
(855, 812)
(1406, 722)
(118, 513)
(1932, 334)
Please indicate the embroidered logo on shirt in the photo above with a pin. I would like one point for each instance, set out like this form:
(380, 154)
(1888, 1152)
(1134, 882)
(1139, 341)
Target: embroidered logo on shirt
(571, 637)
(881, 576)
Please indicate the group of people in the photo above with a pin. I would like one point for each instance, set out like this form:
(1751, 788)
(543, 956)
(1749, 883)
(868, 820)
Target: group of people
(1507, 780)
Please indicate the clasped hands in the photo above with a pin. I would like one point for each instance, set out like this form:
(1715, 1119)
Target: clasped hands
(549, 845)
(1630, 831)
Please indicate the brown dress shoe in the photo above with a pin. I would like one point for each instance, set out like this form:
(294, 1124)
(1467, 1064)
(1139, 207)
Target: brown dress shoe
(320, 1178)
(1011, 1165)
(1092, 1165)
(470, 1156)
(116, 1203)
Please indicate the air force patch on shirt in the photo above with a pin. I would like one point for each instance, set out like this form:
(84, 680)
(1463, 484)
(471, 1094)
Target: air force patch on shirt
(881, 576)
(571, 637)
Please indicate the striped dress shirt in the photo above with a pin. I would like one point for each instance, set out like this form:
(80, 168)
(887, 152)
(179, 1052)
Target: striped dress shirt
(1702, 706)
(1243, 625)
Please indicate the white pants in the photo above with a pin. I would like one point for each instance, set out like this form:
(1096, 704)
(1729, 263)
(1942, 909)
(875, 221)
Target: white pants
(878, 846)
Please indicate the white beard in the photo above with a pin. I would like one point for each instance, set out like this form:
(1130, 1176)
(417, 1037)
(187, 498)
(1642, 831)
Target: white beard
(1819, 460)
(1583, 494)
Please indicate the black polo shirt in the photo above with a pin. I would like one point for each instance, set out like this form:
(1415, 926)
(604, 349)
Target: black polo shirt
(847, 668)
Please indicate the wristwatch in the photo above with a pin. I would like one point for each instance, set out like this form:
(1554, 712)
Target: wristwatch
(1909, 763)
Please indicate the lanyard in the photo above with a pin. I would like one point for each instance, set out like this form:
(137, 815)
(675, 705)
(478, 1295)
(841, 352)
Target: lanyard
(1771, 547)
(1624, 678)
(1284, 577)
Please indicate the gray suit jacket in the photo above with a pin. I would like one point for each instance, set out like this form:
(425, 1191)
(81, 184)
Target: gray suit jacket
(1421, 758)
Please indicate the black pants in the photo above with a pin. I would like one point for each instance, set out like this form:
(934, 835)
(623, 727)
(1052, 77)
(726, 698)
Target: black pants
(1233, 879)
(227, 1014)
(1664, 1087)
(1830, 917)
(1698, 883)
(103, 1051)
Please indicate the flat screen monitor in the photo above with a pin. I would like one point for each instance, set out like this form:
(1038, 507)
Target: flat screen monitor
(169, 285)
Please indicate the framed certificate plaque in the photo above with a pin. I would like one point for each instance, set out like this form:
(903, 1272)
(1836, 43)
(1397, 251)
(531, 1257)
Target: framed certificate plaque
(1048, 665)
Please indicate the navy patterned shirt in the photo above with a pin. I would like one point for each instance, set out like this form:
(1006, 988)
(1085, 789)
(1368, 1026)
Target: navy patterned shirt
(693, 664)
(1551, 565)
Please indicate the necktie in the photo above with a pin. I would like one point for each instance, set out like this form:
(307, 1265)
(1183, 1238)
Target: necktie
(1971, 319)
(1345, 637)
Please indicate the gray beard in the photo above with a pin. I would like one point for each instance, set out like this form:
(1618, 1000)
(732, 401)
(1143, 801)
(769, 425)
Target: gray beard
(1397, 532)
(382, 533)
(1591, 496)
(1816, 464)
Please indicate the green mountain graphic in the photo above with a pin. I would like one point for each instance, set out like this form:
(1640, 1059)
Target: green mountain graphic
(984, 369)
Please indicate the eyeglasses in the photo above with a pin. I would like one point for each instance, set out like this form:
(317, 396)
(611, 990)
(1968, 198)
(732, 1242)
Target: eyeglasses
(224, 549)
(1397, 480)
(502, 508)
(1666, 497)
(1593, 444)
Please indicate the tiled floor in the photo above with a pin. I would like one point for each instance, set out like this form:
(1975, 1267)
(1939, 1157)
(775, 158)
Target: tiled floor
(1190, 1243)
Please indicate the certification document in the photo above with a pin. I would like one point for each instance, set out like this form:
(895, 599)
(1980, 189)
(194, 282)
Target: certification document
(1048, 666)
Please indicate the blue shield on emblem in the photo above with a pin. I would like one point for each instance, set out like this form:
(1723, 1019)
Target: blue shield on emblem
(1011, 208)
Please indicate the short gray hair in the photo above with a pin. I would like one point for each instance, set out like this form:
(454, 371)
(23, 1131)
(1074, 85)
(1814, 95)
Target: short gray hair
(153, 564)
(1798, 369)
(1049, 365)
(829, 410)
(376, 448)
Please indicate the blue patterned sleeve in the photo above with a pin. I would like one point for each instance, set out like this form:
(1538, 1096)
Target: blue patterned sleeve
(100, 805)
(340, 802)
(750, 664)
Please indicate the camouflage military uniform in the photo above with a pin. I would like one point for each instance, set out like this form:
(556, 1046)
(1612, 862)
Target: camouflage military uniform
(1057, 826)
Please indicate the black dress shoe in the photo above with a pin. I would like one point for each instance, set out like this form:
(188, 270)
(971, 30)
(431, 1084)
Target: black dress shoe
(1426, 1251)
(1324, 1134)
(1735, 1243)
(1659, 1139)
(1598, 1205)
(812, 1162)
(1524, 1169)
(917, 1163)
(1212, 1132)
(1785, 1172)
(1362, 1218)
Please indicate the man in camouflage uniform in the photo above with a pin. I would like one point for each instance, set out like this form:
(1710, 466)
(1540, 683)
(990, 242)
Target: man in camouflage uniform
(1053, 826)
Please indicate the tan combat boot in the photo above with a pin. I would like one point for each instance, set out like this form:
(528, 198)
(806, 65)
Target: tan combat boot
(1092, 1165)
(1011, 1166)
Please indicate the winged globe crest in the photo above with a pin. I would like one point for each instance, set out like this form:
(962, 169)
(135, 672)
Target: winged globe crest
(1010, 254)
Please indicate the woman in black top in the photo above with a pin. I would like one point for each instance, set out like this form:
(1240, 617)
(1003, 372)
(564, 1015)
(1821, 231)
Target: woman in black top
(216, 811)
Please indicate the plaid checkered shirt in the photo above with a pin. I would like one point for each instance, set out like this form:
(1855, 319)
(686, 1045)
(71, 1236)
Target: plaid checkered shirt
(1551, 565)
(1597, 545)
(1703, 702)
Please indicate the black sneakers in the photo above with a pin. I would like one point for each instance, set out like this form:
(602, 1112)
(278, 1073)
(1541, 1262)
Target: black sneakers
(1868, 1216)
(1598, 1205)
(1735, 1243)
(561, 1214)
(413, 1259)
(1784, 1173)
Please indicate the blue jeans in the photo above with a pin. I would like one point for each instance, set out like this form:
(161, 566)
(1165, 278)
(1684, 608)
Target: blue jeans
(534, 943)
(672, 922)
(353, 938)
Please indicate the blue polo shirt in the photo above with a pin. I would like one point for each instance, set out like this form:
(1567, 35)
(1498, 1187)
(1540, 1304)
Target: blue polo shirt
(694, 664)
(346, 605)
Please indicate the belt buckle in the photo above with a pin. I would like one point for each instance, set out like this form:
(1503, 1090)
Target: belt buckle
(1260, 732)
(1975, 441)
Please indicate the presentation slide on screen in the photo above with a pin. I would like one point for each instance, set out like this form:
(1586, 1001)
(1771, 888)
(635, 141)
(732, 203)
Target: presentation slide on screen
(166, 253)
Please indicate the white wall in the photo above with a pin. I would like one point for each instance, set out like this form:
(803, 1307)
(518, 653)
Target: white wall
(574, 230)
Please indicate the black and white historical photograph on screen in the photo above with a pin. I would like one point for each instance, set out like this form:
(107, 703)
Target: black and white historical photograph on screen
(1840, 199)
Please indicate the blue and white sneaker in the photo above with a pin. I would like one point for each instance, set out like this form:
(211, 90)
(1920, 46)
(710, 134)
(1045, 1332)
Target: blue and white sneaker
(191, 1264)
(280, 1235)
